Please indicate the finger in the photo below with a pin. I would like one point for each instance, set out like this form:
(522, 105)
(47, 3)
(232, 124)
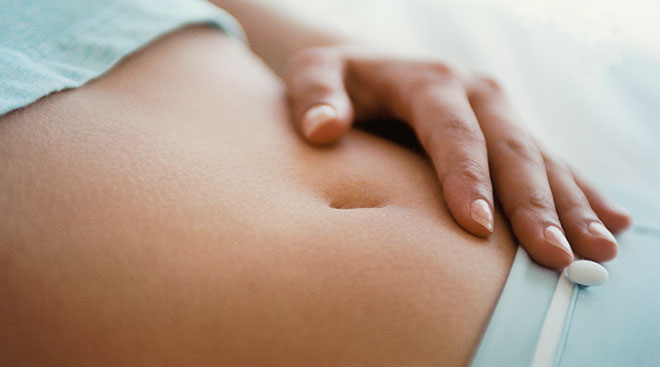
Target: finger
(322, 109)
(520, 178)
(584, 230)
(614, 217)
(448, 130)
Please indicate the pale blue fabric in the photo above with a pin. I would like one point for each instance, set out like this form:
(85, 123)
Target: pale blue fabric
(616, 324)
(47, 46)
(515, 326)
(619, 324)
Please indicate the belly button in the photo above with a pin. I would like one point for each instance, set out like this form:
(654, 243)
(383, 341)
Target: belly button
(357, 201)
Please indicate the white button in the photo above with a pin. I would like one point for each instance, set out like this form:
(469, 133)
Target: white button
(585, 272)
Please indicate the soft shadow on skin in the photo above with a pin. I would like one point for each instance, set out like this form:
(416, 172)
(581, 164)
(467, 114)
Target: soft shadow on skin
(395, 131)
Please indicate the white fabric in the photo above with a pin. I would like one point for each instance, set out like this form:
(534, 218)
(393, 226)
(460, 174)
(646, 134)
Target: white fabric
(584, 81)
(554, 323)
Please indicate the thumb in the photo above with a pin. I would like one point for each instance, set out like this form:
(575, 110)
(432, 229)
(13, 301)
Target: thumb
(321, 107)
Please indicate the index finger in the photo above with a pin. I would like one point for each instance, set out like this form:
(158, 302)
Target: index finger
(439, 111)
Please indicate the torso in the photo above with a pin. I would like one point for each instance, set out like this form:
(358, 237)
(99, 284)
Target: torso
(168, 213)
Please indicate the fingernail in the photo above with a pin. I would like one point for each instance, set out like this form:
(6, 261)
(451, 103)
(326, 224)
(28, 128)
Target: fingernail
(554, 236)
(482, 214)
(600, 231)
(317, 116)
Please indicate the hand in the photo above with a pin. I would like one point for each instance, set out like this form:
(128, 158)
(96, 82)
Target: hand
(470, 132)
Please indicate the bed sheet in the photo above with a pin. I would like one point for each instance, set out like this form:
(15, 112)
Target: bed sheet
(589, 93)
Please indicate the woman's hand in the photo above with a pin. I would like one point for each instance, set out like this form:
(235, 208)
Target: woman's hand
(470, 131)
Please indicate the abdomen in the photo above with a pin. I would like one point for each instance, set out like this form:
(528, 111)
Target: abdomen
(167, 213)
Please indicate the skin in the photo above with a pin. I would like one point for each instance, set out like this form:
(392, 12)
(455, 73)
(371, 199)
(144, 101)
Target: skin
(465, 122)
(145, 226)
(140, 225)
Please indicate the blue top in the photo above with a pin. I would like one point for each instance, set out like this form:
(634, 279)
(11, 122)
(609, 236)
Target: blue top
(47, 46)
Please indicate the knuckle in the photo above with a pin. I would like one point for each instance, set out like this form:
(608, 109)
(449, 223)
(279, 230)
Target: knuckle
(310, 92)
(576, 216)
(576, 208)
(538, 201)
(455, 133)
(310, 58)
(554, 163)
(488, 84)
(576, 200)
(530, 207)
(520, 148)
(442, 69)
(307, 57)
(421, 84)
(471, 170)
(318, 89)
(429, 76)
(467, 173)
(457, 125)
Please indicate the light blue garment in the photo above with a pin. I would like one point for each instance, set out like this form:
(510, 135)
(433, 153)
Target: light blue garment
(47, 46)
(616, 324)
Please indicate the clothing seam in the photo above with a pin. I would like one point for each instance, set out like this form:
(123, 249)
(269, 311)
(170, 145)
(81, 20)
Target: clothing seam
(569, 322)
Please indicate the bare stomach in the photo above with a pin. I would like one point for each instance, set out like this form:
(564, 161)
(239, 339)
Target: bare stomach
(168, 213)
